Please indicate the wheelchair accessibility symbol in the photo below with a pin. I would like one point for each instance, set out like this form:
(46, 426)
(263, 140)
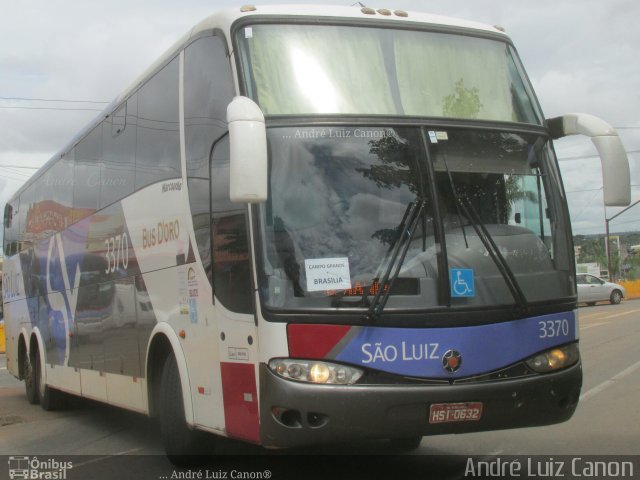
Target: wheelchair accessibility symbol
(462, 282)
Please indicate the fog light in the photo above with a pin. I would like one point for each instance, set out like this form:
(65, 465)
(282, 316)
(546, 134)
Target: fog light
(554, 359)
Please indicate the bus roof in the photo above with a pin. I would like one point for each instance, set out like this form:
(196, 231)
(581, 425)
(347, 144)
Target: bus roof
(224, 20)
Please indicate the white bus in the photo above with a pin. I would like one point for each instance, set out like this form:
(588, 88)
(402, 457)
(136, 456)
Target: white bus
(304, 225)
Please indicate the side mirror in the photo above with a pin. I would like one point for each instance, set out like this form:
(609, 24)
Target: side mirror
(248, 151)
(616, 178)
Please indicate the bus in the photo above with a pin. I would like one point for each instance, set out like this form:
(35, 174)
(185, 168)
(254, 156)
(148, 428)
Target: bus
(304, 225)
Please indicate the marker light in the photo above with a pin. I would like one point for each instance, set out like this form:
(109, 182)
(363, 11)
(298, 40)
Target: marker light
(315, 372)
(554, 359)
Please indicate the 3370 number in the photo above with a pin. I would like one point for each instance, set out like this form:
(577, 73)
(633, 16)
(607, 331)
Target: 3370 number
(553, 328)
(117, 252)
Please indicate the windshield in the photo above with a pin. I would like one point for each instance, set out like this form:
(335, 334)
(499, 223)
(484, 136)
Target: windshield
(341, 196)
(331, 69)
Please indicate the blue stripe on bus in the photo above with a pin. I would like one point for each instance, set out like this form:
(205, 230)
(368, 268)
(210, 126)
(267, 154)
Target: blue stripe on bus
(483, 348)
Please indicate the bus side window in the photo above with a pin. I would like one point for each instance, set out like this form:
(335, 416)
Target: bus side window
(208, 89)
(157, 136)
(86, 184)
(229, 235)
(25, 237)
(117, 169)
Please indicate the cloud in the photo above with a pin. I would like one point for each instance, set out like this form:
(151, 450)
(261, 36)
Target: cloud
(581, 56)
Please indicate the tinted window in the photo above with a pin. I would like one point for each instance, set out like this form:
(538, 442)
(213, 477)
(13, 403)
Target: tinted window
(118, 153)
(64, 190)
(43, 217)
(26, 204)
(591, 280)
(86, 185)
(231, 265)
(207, 92)
(51, 211)
(158, 141)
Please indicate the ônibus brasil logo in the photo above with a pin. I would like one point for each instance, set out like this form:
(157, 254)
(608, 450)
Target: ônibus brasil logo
(28, 468)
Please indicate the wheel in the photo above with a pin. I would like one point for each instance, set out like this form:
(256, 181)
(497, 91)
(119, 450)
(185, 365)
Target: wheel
(616, 297)
(29, 380)
(406, 444)
(50, 398)
(183, 446)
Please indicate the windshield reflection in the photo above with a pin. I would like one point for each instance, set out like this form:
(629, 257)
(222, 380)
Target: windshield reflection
(338, 196)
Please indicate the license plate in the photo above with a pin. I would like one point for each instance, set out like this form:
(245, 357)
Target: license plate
(455, 412)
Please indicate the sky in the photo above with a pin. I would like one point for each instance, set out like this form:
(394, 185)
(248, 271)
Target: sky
(581, 56)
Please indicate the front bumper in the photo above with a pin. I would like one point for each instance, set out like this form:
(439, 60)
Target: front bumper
(295, 413)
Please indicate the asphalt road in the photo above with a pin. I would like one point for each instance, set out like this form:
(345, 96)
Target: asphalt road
(107, 443)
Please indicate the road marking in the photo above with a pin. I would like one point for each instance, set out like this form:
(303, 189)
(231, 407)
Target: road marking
(621, 314)
(99, 459)
(593, 325)
(604, 385)
(585, 317)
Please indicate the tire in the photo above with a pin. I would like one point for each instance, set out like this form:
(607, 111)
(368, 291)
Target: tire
(50, 398)
(407, 444)
(616, 297)
(183, 446)
(30, 384)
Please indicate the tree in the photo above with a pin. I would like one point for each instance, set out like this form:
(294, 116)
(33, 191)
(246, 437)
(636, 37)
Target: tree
(463, 103)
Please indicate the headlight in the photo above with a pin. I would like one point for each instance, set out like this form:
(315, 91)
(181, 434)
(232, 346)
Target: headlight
(554, 359)
(315, 372)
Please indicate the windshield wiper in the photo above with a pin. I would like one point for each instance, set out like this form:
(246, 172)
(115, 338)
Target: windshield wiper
(394, 258)
(487, 240)
(496, 256)
(363, 301)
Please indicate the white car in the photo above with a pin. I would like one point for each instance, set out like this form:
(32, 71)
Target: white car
(592, 289)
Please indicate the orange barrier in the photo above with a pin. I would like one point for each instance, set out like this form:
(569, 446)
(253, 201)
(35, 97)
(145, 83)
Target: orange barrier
(632, 287)
(2, 339)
